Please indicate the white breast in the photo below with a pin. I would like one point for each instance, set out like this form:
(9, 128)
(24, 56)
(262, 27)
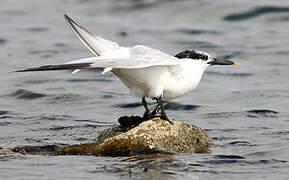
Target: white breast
(184, 79)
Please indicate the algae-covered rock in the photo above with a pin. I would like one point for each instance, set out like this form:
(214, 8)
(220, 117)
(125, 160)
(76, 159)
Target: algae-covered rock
(155, 135)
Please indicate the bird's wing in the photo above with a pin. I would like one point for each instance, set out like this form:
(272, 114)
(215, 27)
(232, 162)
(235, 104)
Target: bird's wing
(107, 63)
(97, 45)
(112, 55)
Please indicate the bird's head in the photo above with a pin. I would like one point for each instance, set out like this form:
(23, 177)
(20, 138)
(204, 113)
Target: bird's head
(203, 58)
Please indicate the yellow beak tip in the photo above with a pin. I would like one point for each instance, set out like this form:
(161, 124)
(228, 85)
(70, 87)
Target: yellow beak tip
(235, 63)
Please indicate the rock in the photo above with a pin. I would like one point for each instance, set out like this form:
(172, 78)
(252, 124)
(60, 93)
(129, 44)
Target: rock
(16, 150)
(152, 136)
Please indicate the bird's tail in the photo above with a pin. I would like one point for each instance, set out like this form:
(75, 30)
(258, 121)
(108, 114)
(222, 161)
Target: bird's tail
(97, 45)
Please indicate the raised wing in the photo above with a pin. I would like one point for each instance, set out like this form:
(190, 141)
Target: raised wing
(112, 56)
(97, 45)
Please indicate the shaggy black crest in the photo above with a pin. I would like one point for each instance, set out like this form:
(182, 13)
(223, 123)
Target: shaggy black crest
(193, 54)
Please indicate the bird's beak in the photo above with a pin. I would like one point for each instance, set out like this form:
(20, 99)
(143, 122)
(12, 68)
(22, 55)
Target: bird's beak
(222, 62)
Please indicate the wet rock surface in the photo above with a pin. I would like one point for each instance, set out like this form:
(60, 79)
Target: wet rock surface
(16, 150)
(151, 136)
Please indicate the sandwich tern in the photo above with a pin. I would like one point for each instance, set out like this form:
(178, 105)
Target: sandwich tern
(147, 72)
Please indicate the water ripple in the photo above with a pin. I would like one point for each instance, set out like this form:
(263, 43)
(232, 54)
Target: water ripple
(3, 41)
(229, 157)
(100, 78)
(178, 106)
(38, 29)
(222, 161)
(255, 13)
(265, 161)
(128, 105)
(219, 115)
(242, 143)
(65, 98)
(5, 123)
(26, 94)
(107, 96)
(261, 113)
(3, 112)
(230, 74)
(196, 31)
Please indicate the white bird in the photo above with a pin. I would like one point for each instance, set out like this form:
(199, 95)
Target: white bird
(147, 72)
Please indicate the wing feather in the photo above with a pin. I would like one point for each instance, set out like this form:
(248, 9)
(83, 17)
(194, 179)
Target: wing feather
(58, 67)
(99, 62)
(97, 45)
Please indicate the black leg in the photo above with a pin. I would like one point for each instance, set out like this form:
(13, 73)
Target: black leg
(163, 114)
(156, 110)
(147, 112)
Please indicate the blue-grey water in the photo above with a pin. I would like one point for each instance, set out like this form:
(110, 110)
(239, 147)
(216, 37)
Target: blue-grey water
(243, 108)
